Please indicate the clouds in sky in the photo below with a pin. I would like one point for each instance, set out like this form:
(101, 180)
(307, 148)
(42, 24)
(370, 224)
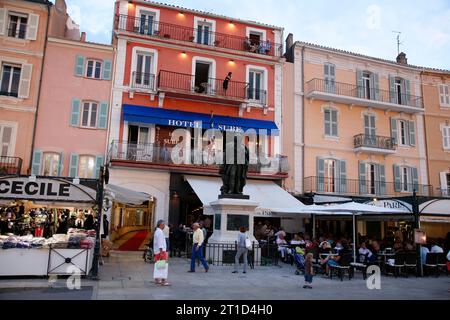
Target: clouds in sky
(362, 26)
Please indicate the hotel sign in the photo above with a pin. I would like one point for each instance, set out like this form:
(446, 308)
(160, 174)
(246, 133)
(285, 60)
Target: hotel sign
(199, 124)
(45, 189)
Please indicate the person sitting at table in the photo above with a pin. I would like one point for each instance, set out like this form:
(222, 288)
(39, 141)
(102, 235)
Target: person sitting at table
(333, 260)
(338, 246)
(282, 246)
(435, 248)
(364, 252)
(423, 254)
(398, 246)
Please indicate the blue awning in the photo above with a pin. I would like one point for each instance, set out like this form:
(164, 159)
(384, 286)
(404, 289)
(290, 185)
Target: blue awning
(175, 118)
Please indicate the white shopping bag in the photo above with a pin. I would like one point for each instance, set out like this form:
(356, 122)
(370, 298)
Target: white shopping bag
(161, 273)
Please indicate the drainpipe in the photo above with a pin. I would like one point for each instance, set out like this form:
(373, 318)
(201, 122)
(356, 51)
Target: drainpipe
(302, 141)
(39, 90)
(425, 130)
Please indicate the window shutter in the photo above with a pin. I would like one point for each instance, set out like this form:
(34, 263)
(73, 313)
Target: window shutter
(407, 132)
(392, 95)
(25, 80)
(32, 27)
(359, 83)
(60, 165)
(75, 115)
(446, 137)
(103, 115)
(446, 95)
(343, 177)
(412, 133)
(98, 164)
(376, 86)
(362, 177)
(397, 178)
(79, 65)
(443, 181)
(394, 132)
(327, 115)
(73, 166)
(407, 92)
(107, 64)
(320, 174)
(415, 180)
(36, 164)
(334, 123)
(3, 20)
(382, 179)
(199, 34)
(441, 95)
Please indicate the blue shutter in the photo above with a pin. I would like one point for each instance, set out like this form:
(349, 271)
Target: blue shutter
(382, 179)
(397, 178)
(79, 65)
(199, 34)
(107, 64)
(394, 132)
(103, 115)
(150, 25)
(142, 25)
(362, 177)
(251, 85)
(36, 164)
(320, 174)
(206, 32)
(73, 166)
(407, 92)
(60, 165)
(343, 177)
(98, 164)
(359, 83)
(392, 94)
(412, 133)
(415, 180)
(376, 87)
(75, 114)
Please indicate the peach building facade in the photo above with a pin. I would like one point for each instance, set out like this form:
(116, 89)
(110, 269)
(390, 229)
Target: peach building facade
(23, 30)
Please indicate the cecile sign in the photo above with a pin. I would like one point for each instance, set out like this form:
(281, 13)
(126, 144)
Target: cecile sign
(44, 189)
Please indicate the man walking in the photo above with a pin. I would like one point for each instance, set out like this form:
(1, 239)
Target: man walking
(160, 251)
(197, 248)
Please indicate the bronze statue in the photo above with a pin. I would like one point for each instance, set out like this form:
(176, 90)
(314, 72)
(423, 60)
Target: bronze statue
(234, 172)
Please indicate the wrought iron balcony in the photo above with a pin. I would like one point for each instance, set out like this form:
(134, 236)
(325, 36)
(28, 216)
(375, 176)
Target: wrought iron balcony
(364, 188)
(182, 83)
(143, 81)
(357, 95)
(374, 144)
(445, 193)
(10, 165)
(170, 31)
(181, 159)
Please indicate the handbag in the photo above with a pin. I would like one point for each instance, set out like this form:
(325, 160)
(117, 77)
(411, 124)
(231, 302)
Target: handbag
(161, 273)
(248, 244)
(160, 264)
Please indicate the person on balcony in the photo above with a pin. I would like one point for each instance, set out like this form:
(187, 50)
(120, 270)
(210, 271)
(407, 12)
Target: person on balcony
(226, 82)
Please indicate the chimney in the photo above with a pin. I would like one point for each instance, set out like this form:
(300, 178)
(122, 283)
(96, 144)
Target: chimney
(83, 37)
(289, 48)
(401, 58)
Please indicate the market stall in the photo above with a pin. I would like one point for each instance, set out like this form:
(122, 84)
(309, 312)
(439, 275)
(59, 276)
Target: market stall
(48, 225)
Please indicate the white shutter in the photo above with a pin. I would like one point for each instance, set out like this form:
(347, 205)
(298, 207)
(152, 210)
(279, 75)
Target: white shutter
(443, 180)
(441, 94)
(446, 96)
(32, 27)
(3, 20)
(446, 137)
(25, 80)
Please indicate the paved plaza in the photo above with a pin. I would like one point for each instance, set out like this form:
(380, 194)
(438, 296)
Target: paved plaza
(125, 276)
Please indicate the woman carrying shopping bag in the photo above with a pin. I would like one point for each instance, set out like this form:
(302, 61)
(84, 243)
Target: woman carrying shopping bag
(161, 268)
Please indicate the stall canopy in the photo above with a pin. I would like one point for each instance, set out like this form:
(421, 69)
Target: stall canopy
(269, 195)
(126, 196)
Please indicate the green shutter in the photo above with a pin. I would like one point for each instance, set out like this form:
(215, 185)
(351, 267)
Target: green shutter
(392, 95)
(397, 178)
(103, 115)
(362, 177)
(359, 83)
(412, 133)
(394, 132)
(407, 93)
(334, 123)
(73, 167)
(320, 174)
(36, 164)
(382, 179)
(60, 165)
(343, 177)
(327, 115)
(98, 165)
(415, 180)
(107, 64)
(376, 86)
(79, 66)
(75, 114)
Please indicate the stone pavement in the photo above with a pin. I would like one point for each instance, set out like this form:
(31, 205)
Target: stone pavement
(125, 275)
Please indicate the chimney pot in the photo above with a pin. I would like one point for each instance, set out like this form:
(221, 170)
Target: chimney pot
(401, 58)
(83, 37)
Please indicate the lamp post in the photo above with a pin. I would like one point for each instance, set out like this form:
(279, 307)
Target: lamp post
(415, 210)
(95, 263)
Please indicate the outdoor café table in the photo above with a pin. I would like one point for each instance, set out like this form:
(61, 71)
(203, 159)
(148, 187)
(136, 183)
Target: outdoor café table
(385, 256)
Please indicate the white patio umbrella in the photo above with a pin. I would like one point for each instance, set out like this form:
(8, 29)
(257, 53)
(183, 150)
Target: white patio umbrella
(353, 209)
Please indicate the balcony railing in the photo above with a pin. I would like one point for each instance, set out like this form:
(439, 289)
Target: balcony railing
(14, 33)
(364, 187)
(168, 156)
(376, 142)
(443, 193)
(186, 83)
(370, 94)
(200, 36)
(10, 165)
(143, 81)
